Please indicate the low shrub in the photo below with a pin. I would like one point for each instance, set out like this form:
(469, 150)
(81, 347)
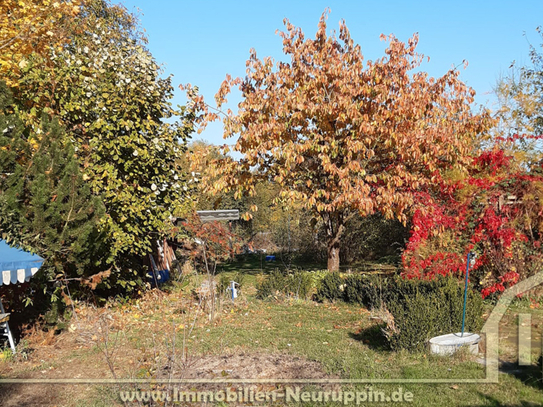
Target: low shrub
(330, 288)
(317, 276)
(417, 310)
(369, 290)
(414, 310)
(273, 284)
(300, 284)
(295, 284)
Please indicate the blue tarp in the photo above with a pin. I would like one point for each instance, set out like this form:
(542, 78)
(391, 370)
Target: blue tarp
(14, 255)
(16, 264)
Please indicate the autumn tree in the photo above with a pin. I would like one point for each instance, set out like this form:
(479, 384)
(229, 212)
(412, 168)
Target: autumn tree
(495, 211)
(30, 26)
(520, 95)
(107, 90)
(95, 105)
(197, 158)
(520, 109)
(341, 136)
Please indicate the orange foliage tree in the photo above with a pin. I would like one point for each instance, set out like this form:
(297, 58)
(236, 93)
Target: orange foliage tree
(339, 135)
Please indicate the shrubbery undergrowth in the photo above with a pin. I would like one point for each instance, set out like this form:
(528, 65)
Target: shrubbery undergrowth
(414, 310)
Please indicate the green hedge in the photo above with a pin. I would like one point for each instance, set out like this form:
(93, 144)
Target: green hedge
(366, 289)
(423, 309)
(330, 288)
(414, 310)
(296, 284)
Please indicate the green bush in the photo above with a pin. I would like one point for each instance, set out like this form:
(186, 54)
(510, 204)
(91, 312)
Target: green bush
(300, 284)
(317, 276)
(368, 290)
(330, 288)
(273, 284)
(417, 310)
(295, 284)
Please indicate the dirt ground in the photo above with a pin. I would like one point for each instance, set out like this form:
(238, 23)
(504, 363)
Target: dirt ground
(74, 355)
(237, 366)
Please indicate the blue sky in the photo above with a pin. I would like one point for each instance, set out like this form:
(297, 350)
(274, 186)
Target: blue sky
(199, 42)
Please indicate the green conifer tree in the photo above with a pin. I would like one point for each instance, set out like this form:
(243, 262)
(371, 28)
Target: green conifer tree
(45, 204)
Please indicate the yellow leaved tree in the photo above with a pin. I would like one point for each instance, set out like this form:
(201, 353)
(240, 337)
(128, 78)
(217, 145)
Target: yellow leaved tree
(28, 26)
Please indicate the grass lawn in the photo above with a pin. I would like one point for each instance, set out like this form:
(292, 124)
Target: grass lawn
(168, 335)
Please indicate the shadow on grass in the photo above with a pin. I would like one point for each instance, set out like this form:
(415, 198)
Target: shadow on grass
(229, 270)
(495, 402)
(529, 375)
(256, 263)
(372, 337)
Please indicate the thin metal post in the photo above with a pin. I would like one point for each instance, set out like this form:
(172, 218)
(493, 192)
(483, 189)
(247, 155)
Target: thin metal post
(465, 295)
(6, 329)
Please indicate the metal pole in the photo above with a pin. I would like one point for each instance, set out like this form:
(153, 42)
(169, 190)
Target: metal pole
(5, 327)
(465, 295)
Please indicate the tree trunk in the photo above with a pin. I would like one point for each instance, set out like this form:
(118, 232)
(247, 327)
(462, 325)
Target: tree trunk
(333, 257)
(334, 229)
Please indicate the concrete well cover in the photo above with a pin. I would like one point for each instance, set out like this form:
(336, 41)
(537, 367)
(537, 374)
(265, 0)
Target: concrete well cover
(450, 343)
